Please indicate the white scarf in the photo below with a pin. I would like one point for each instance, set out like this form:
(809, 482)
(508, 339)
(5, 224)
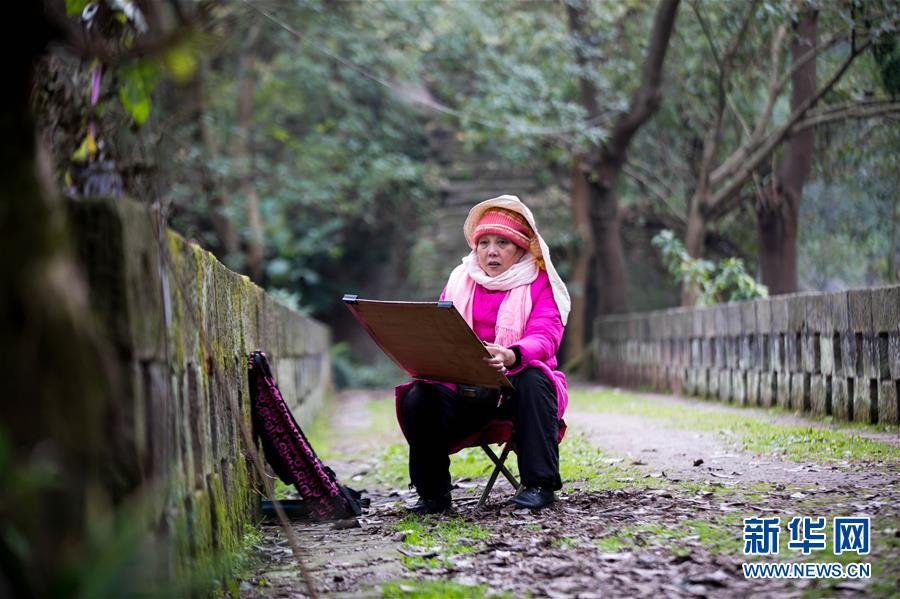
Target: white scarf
(516, 306)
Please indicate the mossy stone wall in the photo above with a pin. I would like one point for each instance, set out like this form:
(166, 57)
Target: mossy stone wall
(832, 354)
(180, 326)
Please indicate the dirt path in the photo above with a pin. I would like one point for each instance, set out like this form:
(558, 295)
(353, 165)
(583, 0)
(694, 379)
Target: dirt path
(673, 529)
(659, 447)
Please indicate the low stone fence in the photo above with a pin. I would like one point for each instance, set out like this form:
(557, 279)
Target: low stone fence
(822, 353)
(181, 326)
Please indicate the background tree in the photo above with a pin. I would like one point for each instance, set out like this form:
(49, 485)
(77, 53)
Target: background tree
(326, 162)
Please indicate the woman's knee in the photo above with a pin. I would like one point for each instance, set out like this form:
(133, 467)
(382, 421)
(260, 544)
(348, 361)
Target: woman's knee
(533, 380)
(416, 402)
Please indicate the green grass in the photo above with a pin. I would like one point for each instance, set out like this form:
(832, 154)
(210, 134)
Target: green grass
(319, 432)
(445, 537)
(436, 589)
(756, 434)
(723, 534)
(593, 470)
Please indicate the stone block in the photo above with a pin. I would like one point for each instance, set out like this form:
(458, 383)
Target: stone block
(783, 390)
(677, 380)
(888, 407)
(860, 309)
(739, 387)
(721, 320)
(753, 391)
(725, 385)
(826, 353)
(865, 401)
(881, 365)
(776, 353)
(734, 319)
(690, 383)
(696, 353)
(818, 396)
(712, 383)
(719, 344)
(894, 355)
(800, 391)
(749, 322)
(730, 352)
(697, 322)
(818, 313)
(850, 356)
(871, 361)
(763, 359)
(842, 398)
(686, 320)
(810, 350)
(745, 357)
(763, 315)
(840, 311)
(701, 388)
(709, 321)
(797, 305)
(886, 309)
(767, 388)
(779, 313)
(792, 352)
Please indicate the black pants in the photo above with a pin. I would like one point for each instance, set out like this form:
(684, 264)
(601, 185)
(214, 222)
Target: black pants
(433, 416)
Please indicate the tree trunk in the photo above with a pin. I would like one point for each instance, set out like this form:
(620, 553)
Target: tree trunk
(609, 261)
(779, 206)
(693, 243)
(606, 161)
(244, 157)
(577, 336)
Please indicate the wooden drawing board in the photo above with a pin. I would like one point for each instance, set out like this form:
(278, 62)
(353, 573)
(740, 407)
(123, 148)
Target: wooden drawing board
(429, 340)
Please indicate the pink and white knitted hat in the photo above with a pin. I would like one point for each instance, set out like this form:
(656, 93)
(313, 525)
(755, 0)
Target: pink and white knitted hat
(539, 247)
(506, 223)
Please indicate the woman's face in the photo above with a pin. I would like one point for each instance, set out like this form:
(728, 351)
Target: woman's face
(496, 254)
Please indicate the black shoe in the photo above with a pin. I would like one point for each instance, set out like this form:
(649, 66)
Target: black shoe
(534, 498)
(431, 506)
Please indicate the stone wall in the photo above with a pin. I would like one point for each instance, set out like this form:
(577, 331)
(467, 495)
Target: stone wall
(181, 326)
(828, 354)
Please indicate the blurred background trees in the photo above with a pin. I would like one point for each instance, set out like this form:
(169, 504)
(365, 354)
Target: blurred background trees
(324, 148)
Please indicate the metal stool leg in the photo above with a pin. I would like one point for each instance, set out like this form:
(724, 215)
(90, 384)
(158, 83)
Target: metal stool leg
(499, 467)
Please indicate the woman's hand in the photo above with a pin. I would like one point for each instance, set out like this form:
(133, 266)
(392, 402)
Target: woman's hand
(501, 357)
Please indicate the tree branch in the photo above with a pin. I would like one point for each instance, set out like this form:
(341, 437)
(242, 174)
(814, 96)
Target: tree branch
(648, 185)
(776, 86)
(861, 110)
(739, 176)
(648, 96)
(711, 143)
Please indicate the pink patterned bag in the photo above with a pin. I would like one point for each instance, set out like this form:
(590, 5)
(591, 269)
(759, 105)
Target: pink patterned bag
(289, 453)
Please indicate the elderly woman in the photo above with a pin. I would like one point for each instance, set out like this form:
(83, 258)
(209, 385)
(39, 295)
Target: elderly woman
(510, 294)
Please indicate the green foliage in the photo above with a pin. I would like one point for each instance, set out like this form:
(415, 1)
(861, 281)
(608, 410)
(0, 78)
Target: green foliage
(137, 82)
(436, 589)
(349, 372)
(848, 234)
(727, 281)
(75, 7)
(346, 169)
